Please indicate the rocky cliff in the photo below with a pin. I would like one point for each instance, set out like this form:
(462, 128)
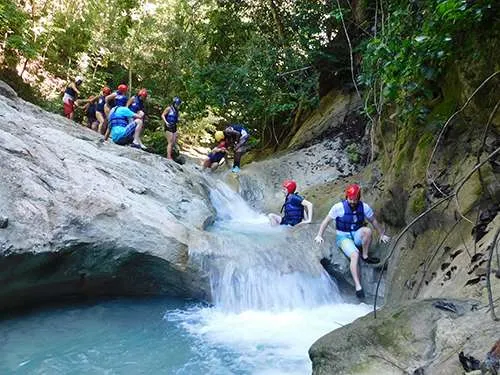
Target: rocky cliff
(80, 217)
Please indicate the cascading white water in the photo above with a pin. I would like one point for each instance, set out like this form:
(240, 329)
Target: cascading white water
(259, 267)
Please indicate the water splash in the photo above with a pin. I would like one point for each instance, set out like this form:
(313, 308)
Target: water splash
(253, 266)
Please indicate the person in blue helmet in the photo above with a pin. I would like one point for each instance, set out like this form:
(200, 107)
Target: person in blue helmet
(297, 210)
(136, 102)
(100, 114)
(125, 127)
(236, 137)
(349, 216)
(170, 117)
(118, 98)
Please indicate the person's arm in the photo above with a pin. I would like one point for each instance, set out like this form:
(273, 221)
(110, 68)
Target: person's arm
(241, 141)
(373, 221)
(130, 101)
(308, 211)
(164, 113)
(110, 97)
(106, 135)
(322, 228)
(73, 86)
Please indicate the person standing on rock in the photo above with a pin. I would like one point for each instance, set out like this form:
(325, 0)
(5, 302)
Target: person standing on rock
(236, 137)
(349, 216)
(170, 116)
(297, 209)
(70, 95)
(100, 114)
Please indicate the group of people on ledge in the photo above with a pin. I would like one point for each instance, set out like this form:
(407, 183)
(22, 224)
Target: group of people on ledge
(350, 216)
(115, 115)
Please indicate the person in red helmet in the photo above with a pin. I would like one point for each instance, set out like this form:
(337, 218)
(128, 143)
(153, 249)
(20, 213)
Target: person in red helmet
(349, 216)
(118, 98)
(136, 102)
(297, 210)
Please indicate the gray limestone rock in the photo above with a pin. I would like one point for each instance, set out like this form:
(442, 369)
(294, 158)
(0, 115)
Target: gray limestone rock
(88, 218)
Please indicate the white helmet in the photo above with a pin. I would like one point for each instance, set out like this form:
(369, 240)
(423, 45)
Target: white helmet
(78, 79)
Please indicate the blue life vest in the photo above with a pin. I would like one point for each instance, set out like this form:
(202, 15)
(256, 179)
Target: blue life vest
(352, 219)
(137, 105)
(172, 116)
(120, 99)
(294, 210)
(116, 120)
(239, 128)
(100, 103)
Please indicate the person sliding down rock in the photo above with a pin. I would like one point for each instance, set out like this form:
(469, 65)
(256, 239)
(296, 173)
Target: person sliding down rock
(349, 216)
(217, 154)
(297, 209)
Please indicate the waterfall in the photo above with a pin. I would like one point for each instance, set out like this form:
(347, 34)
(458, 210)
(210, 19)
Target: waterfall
(258, 267)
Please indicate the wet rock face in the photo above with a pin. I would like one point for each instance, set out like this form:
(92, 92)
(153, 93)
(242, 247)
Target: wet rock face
(421, 337)
(78, 216)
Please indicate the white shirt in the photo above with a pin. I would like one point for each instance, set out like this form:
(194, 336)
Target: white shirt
(337, 210)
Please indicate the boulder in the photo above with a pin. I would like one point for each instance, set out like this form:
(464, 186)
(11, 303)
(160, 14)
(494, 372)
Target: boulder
(92, 218)
(423, 337)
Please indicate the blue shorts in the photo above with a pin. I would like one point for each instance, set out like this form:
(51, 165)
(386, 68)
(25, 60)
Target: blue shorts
(216, 156)
(126, 136)
(348, 242)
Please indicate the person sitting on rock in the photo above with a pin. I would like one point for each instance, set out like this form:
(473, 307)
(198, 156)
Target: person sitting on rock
(70, 95)
(349, 216)
(236, 137)
(297, 209)
(125, 127)
(218, 152)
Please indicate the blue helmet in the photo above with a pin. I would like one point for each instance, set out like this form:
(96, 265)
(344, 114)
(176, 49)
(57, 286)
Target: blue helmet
(177, 101)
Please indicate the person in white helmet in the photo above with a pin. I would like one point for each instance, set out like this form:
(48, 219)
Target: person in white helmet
(70, 96)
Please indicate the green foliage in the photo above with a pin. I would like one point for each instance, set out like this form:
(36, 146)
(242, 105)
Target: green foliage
(353, 153)
(15, 33)
(418, 41)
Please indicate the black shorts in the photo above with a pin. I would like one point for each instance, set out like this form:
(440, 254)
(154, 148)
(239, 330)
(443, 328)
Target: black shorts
(172, 128)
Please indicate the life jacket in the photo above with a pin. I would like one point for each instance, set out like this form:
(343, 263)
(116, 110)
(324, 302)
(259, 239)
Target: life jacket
(240, 129)
(91, 109)
(71, 92)
(172, 115)
(294, 210)
(120, 99)
(352, 219)
(137, 105)
(100, 103)
(117, 120)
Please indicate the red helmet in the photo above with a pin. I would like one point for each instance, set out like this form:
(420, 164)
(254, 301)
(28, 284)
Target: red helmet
(123, 88)
(143, 93)
(353, 192)
(106, 90)
(290, 186)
